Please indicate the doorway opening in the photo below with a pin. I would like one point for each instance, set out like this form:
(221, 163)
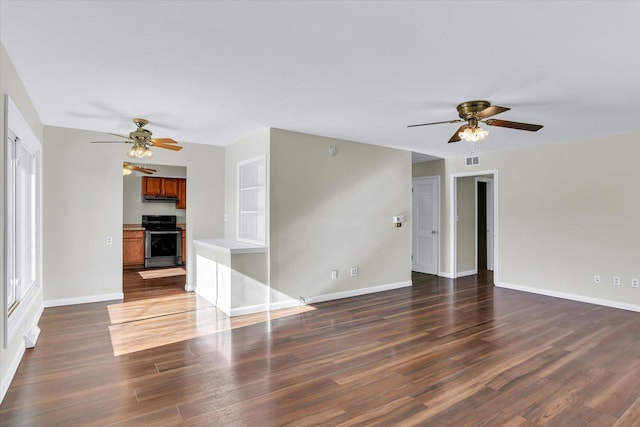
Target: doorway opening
(142, 279)
(481, 225)
(473, 223)
(484, 223)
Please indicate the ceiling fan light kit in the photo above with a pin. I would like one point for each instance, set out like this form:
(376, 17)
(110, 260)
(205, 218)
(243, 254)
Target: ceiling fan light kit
(139, 151)
(475, 112)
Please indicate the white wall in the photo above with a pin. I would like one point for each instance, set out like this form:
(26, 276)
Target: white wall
(566, 211)
(335, 212)
(83, 203)
(133, 206)
(10, 84)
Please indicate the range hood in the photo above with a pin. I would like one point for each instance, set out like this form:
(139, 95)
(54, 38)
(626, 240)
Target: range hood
(166, 199)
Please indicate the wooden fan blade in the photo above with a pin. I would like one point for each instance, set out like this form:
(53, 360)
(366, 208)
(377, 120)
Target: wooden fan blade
(456, 137)
(129, 166)
(164, 140)
(491, 111)
(143, 170)
(167, 146)
(436, 123)
(513, 125)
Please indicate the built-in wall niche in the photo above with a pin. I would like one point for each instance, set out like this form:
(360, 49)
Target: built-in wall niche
(252, 224)
(133, 207)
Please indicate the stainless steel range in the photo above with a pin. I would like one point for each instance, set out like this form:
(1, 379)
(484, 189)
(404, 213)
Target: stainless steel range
(162, 241)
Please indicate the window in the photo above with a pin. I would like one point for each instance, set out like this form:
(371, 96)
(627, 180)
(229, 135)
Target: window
(22, 222)
(252, 223)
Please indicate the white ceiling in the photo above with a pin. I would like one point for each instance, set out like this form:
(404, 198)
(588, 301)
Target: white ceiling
(214, 72)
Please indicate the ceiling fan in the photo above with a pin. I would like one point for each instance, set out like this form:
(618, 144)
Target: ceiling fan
(128, 168)
(141, 140)
(475, 112)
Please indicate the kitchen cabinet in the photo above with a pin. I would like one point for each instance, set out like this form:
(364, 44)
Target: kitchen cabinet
(182, 194)
(132, 248)
(159, 186)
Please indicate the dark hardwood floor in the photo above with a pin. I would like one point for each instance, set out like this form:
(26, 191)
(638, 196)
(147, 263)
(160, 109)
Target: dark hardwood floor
(135, 287)
(441, 353)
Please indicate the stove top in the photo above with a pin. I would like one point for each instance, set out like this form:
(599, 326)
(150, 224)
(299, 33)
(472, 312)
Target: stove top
(159, 222)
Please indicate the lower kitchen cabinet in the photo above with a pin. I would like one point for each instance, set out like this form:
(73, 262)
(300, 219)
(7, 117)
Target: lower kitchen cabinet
(184, 246)
(132, 248)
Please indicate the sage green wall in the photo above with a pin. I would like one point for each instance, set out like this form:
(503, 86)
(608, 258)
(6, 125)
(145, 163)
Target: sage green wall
(83, 204)
(335, 212)
(566, 211)
(466, 225)
(245, 149)
(133, 207)
(10, 84)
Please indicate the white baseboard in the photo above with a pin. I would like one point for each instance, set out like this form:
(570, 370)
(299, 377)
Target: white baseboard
(446, 275)
(15, 362)
(284, 304)
(238, 311)
(249, 309)
(10, 373)
(83, 300)
(572, 297)
(356, 292)
(189, 288)
(467, 273)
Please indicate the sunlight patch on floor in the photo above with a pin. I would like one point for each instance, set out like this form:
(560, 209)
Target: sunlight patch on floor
(146, 324)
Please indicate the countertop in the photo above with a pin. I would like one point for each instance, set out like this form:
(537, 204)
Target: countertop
(132, 227)
(230, 246)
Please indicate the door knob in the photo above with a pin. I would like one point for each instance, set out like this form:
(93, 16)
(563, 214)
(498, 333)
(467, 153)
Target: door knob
(434, 232)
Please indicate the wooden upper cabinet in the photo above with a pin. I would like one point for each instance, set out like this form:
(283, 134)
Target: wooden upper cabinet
(158, 186)
(151, 185)
(170, 186)
(182, 194)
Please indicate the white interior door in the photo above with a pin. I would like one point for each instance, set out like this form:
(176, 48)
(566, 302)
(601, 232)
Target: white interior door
(426, 224)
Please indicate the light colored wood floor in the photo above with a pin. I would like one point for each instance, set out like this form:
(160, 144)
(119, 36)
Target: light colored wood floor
(441, 353)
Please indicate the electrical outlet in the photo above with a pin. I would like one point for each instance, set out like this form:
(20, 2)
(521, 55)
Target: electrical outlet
(334, 274)
(109, 240)
(635, 283)
(616, 280)
(354, 271)
(596, 279)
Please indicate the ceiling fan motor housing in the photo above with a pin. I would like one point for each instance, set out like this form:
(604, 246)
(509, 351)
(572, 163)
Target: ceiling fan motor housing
(468, 110)
(140, 134)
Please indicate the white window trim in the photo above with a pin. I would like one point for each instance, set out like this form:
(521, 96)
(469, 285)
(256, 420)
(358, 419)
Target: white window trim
(16, 125)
